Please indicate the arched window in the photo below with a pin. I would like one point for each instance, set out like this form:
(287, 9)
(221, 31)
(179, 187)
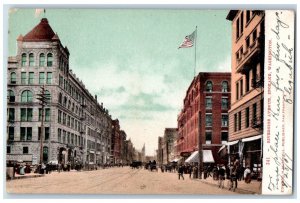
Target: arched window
(13, 78)
(49, 59)
(42, 59)
(45, 154)
(209, 86)
(48, 96)
(26, 96)
(224, 86)
(31, 59)
(11, 96)
(23, 60)
(60, 98)
(65, 101)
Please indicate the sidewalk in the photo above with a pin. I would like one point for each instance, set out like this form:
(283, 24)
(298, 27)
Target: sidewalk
(243, 188)
(27, 175)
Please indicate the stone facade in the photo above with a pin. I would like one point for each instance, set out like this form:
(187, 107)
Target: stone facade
(77, 127)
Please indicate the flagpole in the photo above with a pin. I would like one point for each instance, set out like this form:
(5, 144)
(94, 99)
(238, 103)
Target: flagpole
(195, 52)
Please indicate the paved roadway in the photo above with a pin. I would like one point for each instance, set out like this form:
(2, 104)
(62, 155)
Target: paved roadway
(112, 181)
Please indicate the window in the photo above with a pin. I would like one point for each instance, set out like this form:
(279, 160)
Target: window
(240, 120)
(41, 78)
(23, 60)
(25, 150)
(31, 59)
(247, 117)
(242, 22)
(224, 86)
(208, 137)
(11, 114)
(64, 136)
(11, 133)
(247, 82)
(68, 121)
(42, 59)
(47, 115)
(59, 135)
(13, 78)
(30, 79)
(247, 42)
(61, 81)
(235, 122)
(254, 112)
(45, 154)
(49, 78)
(68, 138)
(26, 114)
(208, 120)
(23, 77)
(26, 133)
(49, 60)
(224, 120)
(60, 98)
(59, 116)
(209, 86)
(65, 101)
(8, 150)
(237, 91)
(11, 96)
(64, 118)
(248, 16)
(237, 28)
(48, 96)
(224, 137)
(224, 103)
(208, 102)
(47, 133)
(241, 87)
(72, 138)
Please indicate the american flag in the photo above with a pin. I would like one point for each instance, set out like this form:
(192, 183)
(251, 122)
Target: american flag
(188, 41)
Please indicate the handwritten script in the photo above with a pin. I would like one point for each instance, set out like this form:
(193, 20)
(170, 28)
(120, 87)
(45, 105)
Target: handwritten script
(279, 99)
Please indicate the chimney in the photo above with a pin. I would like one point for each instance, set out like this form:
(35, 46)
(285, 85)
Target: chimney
(96, 97)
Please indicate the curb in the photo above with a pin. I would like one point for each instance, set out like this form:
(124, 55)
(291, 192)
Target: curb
(28, 176)
(238, 190)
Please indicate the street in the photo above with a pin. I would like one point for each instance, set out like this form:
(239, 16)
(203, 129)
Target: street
(112, 181)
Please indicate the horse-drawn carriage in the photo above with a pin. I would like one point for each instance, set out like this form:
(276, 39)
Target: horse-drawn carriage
(136, 164)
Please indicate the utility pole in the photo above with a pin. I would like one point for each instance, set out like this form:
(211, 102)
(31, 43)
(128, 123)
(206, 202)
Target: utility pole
(200, 152)
(43, 102)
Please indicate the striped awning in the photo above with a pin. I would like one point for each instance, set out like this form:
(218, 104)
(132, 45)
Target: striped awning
(207, 157)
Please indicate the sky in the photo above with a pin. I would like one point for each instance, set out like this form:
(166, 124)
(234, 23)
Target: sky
(130, 59)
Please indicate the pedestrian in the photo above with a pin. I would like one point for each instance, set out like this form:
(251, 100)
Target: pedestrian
(221, 173)
(247, 175)
(59, 167)
(22, 170)
(233, 177)
(190, 171)
(180, 172)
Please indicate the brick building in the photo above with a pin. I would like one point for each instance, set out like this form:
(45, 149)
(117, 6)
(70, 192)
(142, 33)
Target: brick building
(207, 99)
(247, 76)
(76, 126)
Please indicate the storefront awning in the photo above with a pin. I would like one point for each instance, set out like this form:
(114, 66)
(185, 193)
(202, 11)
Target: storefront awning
(221, 148)
(176, 159)
(194, 157)
(232, 142)
(207, 157)
(248, 139)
